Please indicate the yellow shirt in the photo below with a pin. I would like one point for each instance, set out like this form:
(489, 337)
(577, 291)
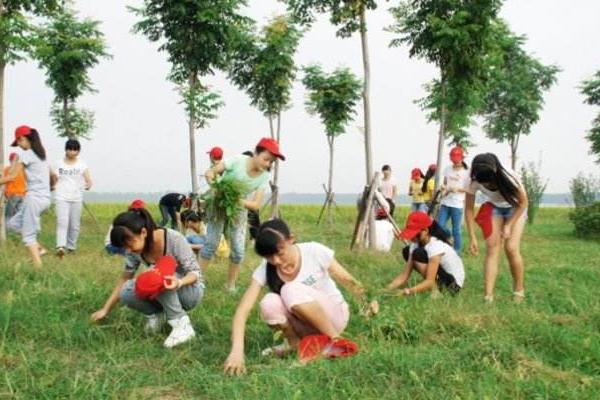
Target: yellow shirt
(415, 189)
(428, 195)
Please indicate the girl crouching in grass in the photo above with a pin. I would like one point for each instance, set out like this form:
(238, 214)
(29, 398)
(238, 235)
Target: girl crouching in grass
(145, 243)
(303, 298)
(431, 256)
(502, 219)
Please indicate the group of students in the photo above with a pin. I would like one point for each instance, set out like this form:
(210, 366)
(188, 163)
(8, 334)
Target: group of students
(435, 253)
(30, 180)
(301, 278)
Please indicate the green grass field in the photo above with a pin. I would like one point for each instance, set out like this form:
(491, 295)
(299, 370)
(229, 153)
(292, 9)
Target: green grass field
(416, 348)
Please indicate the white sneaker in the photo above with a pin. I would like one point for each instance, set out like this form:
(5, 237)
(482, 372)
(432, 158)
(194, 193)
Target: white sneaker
(181, 333)
(153, 323)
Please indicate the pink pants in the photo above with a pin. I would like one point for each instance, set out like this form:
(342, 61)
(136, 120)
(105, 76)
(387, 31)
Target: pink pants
(277, 309)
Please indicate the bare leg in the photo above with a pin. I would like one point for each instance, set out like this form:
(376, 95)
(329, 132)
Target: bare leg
(234, 271)
(490, 266)
(313, 314)
(421, 268)
(513, 253)
(34, 249)
(288, 331)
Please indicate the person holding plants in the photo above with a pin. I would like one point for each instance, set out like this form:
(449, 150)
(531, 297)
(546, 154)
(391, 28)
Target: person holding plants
(431, 256)
(502, 220)
(456, 180)
(70, 178)
(303, 297)
(176, 292)
(31, 161)
(415, 189)
(241, 186)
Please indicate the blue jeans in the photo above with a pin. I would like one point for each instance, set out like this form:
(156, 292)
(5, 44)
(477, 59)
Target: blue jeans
(455, 215)
(236, 235)
(419, 207)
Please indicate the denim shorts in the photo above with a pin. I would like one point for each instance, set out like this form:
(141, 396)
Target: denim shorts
(504, 212)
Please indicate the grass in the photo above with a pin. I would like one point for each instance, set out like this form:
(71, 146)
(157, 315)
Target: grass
(416, 348)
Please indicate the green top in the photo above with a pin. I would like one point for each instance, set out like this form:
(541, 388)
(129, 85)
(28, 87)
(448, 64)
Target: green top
(235, 168)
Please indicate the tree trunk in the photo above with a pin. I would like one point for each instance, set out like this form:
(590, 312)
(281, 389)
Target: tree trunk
(367, 115)
(193, 81)
(442, 132)
(66, 121)
(514, 144)
(275, 184)
(2, 221)
(329, 194)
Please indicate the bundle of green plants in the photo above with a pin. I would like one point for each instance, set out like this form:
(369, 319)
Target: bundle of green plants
(587, 221)
(223, 200)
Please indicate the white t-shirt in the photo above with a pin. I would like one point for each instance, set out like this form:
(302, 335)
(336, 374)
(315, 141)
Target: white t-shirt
(494, 196)
(316, 260)
(387, 188)
(71, 183)
(37, 174)
(385, 235)
(455, 179)
(449, 262)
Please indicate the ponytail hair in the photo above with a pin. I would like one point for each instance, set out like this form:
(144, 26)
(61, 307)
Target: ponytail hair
(428, 175)
(438, 232)
(270, 234)
(36, 144)
(486, 168)
(130, 223)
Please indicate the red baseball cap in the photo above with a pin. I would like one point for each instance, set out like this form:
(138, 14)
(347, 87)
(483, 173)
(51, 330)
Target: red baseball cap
(12, 156)
(21, 131)
(416, 173)
(271, 146)
(457, 154)
(137, 204)
(416, 222)
(216, 153)
(150, 284)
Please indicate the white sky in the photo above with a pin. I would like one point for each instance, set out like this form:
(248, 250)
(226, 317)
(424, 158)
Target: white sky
(140, 141)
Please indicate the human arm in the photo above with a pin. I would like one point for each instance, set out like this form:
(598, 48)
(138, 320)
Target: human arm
(234, 364)
(429, 282)
(341, 275)
(87, 177)
(113, 299)
(402, 278)
(256, 202)
(186, 261)
(470, 222)
(214, 171)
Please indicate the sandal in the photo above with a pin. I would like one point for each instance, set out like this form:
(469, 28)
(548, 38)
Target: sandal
(519, 296)
(279, 350)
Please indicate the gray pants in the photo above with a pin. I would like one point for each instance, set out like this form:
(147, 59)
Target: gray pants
(13, 205)
(174, 304)
(27, 221)
(68, 223)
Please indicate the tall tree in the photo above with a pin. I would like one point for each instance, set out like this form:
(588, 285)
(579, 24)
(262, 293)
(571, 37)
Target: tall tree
(16, 45)
(591, 90)
(333, 97)
(264, 67)
(456, 36)
(67, 48)
(514, 94)
(349, 16)
(199, 37)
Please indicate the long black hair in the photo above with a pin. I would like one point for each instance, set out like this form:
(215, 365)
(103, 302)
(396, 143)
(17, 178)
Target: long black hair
(130, 223)
(438, 232)
(36, 144)
(486, 168)
(269, 236)
(428, 175)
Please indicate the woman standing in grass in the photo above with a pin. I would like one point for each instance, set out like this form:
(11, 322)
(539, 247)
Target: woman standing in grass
(71, 177)
(303, 298)
(456, 179)
(31, 160)
(252, 174)
(416, 191)
(502, 219)
(145, 243)
(431, 256)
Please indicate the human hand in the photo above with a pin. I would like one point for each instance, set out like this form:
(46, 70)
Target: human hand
(474, 247)
(370, 309)
(407, 292)
(99, 315)
(234, 365)
(171, 282)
